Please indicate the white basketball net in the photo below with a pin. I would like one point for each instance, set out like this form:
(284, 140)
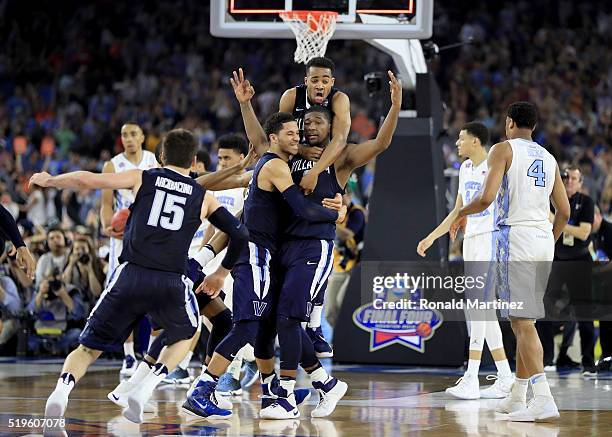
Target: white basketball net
(312, 30)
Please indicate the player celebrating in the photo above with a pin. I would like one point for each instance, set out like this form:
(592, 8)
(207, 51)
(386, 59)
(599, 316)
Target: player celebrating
(305, 257)
(521, 177)
(133, 157)
(480, 236)
(168, 208)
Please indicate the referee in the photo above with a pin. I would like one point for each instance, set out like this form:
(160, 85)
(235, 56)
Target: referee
(572, 268)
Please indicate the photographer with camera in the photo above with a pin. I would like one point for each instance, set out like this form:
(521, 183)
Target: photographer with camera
(53, 307)
(83, 270)
(10, 304)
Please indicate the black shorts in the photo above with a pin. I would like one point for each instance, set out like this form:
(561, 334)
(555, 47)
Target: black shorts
(133, 292)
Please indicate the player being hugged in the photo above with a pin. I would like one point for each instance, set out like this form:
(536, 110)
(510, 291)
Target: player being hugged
(168, 208)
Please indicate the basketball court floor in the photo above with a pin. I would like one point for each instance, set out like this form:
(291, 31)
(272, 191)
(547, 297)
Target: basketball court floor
(381, 401)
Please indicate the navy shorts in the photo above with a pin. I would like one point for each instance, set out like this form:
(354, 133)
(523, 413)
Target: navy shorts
(305, 266)
(253, 297)
(133, 292)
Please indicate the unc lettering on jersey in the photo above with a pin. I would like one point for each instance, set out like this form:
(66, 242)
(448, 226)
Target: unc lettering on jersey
(169, 184)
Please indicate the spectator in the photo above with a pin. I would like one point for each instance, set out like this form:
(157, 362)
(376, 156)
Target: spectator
(84, 270)
(602, 241)
(55, 258)
(10, 308)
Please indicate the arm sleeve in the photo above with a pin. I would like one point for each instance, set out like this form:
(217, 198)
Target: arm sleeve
(9, 227)
(306, 209)
(237, 232)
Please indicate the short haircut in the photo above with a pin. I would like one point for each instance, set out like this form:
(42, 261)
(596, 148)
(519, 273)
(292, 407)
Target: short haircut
(132, 123)
(321, 110)
(274, 123)
(179, 148)
(524, 114)
(321, 62)
(478, 130)
(574, 167)
(235, 142)
(204, 157)
(158, 151)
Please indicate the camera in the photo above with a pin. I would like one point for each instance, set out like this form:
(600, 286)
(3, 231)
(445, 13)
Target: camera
(564, 174)
(84, 259)
(374, 82)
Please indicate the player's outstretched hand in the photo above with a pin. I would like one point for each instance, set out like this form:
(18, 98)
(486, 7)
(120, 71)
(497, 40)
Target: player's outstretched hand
(212, 284)
(423, 245)
(24, 260)
(109, 231)
(242, 88)
(396, 89)
(40, 179)
(251, 159)
(456, 227)
(342, 214)
(335, 203)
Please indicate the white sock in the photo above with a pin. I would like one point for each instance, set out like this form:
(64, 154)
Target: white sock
(248, 352)
(320, 375)
(184, 364)
(128, 348)
(141, 372)
(539, 385)
(236, 365)
(519, 389)
(503, 368)
(315, 316)
(473, 366)
(151, 340)
(152, 379)
(288, 385)
(65, 383)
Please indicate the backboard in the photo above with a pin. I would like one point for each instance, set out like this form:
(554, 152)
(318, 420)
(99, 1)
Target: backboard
(357, 19)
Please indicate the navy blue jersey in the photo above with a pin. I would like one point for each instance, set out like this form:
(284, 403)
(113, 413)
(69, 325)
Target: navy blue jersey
(327, 186)
(261, 211)
(302, 104)
(163, 219)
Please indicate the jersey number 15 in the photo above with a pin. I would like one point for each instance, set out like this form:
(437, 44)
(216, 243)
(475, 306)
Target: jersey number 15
(536, 171)
(168, 204)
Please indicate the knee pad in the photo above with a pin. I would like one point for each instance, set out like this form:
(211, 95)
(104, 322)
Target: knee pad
(290, 339)
(264, 341)
(221, 326)
(242, 332)
(157, 345)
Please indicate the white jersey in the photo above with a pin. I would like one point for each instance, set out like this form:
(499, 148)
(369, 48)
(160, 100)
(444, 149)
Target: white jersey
(124, 198)
(232, 200)
(471, 181)
(524, 196)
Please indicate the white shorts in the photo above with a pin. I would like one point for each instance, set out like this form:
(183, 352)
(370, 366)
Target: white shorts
(524, 259)
(479, 247)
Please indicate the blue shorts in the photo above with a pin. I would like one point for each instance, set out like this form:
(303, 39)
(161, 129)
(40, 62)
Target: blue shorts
(304, 268)
(133, 292)
(253, 297)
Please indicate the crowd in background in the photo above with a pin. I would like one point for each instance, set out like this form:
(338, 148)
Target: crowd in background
(71, 76)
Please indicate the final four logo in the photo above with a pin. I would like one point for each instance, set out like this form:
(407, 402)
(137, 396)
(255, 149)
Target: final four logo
(410, 327)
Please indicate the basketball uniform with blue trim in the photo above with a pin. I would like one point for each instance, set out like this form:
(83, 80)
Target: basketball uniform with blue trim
(306, 255)
(525, 244)
(150, 279)
(253, 295)
(123, 199)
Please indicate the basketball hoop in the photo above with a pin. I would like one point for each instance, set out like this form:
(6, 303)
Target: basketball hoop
(312, 30)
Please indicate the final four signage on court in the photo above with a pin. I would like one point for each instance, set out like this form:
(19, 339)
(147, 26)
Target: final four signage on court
(410, 327)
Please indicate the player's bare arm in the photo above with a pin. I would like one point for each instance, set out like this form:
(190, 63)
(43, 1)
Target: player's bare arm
(442, 228)
(561, 203)
(357, 155)
(341, 107)
(130, 180)
(498, 161)
(244, 92)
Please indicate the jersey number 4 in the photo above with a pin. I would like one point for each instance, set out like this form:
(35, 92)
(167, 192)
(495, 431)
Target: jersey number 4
(536, 171)
(169, 204)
